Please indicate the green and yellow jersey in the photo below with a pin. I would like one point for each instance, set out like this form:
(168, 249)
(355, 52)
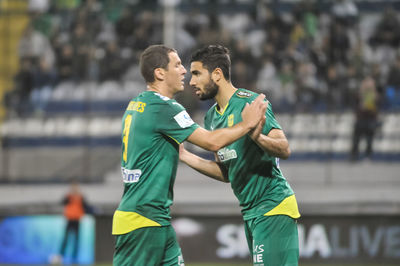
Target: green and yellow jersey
(255, 176)
(153, 126)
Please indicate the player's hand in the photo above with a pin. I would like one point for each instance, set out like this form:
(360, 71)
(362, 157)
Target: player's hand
(255, 132)
(253, 113)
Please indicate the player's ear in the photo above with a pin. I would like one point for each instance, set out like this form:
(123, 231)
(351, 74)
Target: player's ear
(159, 73)
(217, 74)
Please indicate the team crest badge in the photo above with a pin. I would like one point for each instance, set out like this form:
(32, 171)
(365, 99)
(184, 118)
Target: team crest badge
(243, 94)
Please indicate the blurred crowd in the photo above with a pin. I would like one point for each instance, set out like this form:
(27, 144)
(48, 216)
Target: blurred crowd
(305, 59)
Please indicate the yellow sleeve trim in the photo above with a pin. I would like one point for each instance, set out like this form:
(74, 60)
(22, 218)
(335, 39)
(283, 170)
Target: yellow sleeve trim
(287, 207)
(125, 222)
(174, 139)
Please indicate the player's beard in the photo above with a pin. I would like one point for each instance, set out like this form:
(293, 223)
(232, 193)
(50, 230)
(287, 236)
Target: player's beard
(210, 90)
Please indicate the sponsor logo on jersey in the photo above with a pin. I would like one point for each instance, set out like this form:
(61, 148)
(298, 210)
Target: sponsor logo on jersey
(258, 255)
(136, 106)
(131, 176)
(231, 119)
(226, 154)
(183, 119)
(243, 94)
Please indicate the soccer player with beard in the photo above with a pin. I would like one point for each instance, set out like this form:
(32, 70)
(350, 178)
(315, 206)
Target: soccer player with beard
(250, 164)
(153, 126)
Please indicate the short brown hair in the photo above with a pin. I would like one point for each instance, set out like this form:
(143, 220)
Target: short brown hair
(155, 56)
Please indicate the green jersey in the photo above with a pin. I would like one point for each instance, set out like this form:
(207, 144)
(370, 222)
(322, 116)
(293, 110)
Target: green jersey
(153, 126)
(254, 175)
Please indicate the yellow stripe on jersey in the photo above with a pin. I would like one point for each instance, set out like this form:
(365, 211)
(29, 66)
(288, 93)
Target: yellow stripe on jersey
(125, 222)
(223, 111)
(287, 207)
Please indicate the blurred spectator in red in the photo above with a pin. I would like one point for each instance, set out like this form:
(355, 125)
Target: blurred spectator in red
(75, 208)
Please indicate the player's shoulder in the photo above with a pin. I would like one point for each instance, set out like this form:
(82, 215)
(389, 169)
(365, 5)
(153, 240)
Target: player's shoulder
(246, 95)
(164, 101)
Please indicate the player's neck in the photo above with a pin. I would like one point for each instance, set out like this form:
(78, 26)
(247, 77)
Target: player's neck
(224, 94)
(160, 90)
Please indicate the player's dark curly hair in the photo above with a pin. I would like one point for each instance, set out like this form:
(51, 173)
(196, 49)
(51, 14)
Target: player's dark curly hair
(212, 57)
(155, 56)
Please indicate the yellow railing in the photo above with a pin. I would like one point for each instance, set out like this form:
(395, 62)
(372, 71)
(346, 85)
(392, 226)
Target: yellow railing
(13, 20)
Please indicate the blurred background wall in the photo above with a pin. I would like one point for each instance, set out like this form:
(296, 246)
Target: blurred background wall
(331, 70)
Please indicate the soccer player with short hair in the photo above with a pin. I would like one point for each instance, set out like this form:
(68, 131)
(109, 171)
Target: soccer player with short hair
(153, 126)
(250, 164)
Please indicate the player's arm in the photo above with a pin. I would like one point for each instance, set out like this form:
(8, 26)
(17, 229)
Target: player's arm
(209, 168)
(215, 140)
(275, 143)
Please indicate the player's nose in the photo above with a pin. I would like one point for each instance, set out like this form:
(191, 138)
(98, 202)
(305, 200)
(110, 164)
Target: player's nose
(192, 82)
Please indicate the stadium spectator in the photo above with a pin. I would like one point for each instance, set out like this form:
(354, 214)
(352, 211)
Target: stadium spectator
(44, 80)
(65, 9)
(335, 87)
(286, 95)
(251, 164)
(124, 28)
(339, 43)
(81, 47)
(366, 122)
(392, 88)
(387, 32)
(65, 63)
(345, 11)
(17, 100)
(394, 74)
(89, 14)
(307, 86)
(39, 6)
(112, 65)
(154, 125)
(34, 45)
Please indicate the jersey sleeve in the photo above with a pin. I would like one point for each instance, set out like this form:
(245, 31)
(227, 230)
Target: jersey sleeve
(270, 122)
(175, 122)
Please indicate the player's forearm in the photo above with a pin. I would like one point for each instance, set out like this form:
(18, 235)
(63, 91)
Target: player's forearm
(206, 167)
(225, 136)
(278, 147)
(215, 140)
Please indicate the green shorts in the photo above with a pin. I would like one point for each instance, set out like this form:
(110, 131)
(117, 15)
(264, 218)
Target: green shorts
(273, 240)
(150, 246)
